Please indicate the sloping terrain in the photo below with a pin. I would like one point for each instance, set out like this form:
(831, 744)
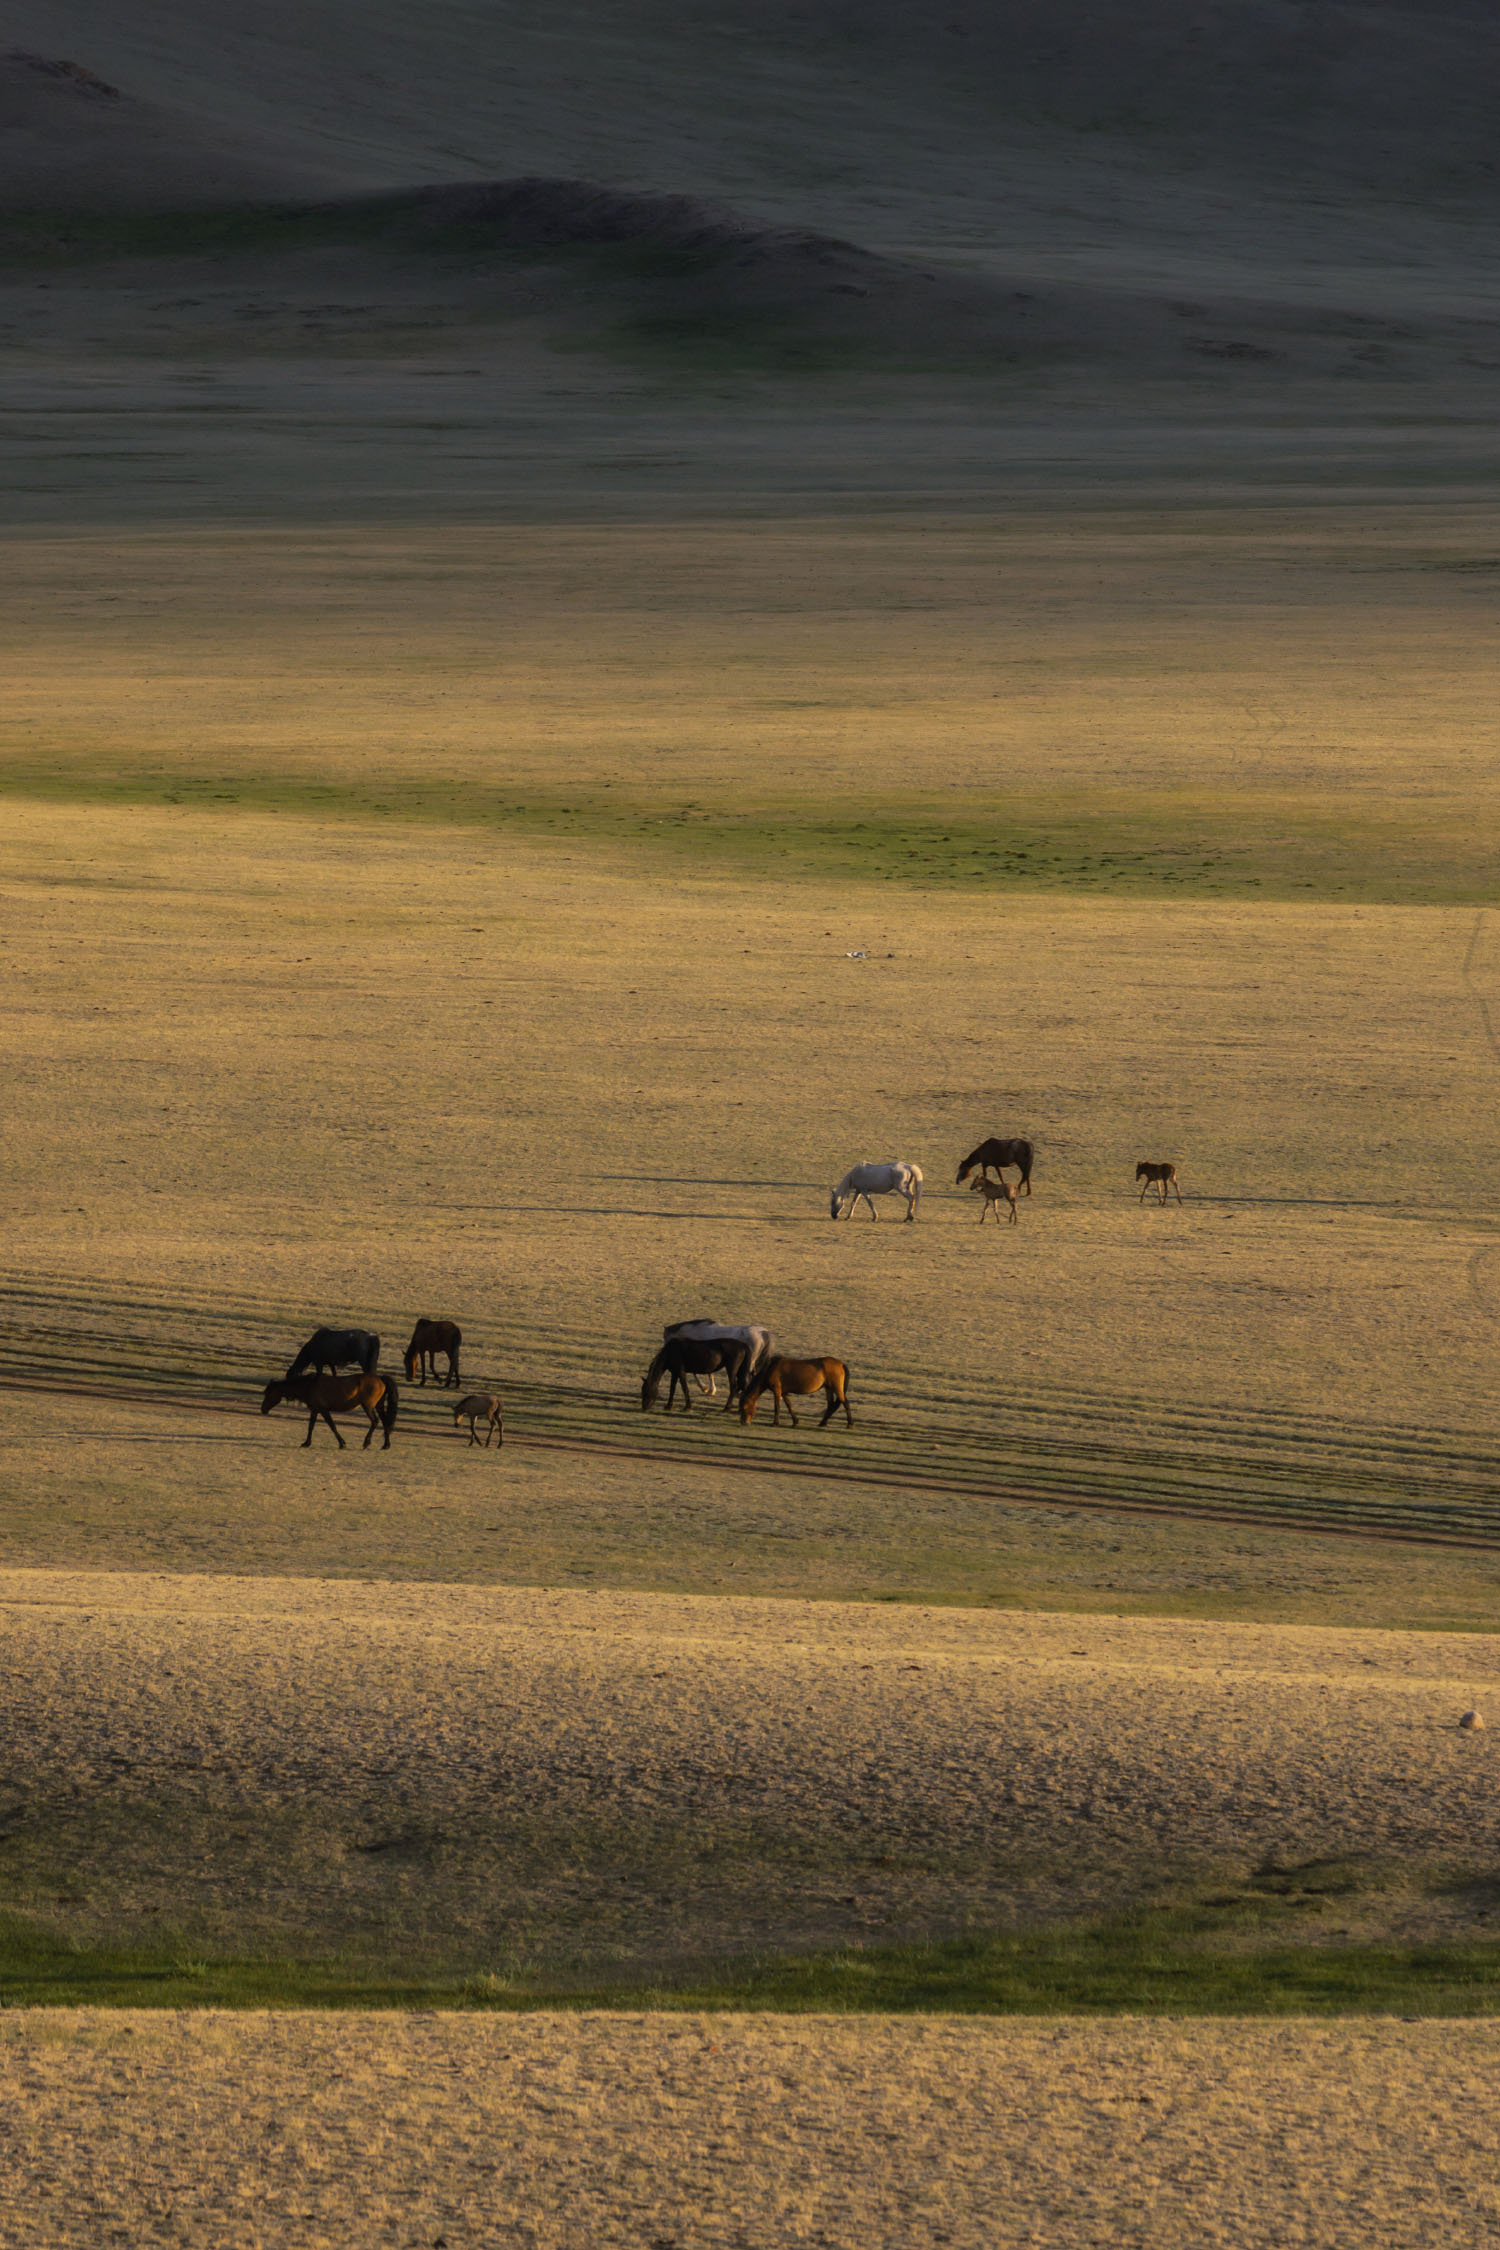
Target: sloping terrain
(571, 1788)
(72, 141)
(1260, 213)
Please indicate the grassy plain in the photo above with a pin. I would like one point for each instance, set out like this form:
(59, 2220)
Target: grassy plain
(528, 925)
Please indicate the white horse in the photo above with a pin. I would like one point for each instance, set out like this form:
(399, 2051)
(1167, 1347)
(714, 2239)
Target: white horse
(758, 1342)
(876, 1179)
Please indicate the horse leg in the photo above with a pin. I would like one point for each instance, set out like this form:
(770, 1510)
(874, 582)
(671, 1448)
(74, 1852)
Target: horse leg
(312, 1423)
(1176, 1190)
(328, 1418)
(1015, 1212)
(1142, 1196)
(832, 1407)
(370, 1432)
(473, 1433)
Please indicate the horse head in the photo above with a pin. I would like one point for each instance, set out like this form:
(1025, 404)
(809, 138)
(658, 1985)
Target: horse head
(274, 1394)
(833, 1203)
(650, 1387)
(1142, 1171)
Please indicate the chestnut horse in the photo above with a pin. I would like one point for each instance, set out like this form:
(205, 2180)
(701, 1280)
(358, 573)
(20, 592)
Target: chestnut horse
(1161, 1176)
(428, 1338)
(337, 1394)
(999, 1154)
(787, 1379)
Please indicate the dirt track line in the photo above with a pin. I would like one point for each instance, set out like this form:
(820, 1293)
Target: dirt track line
(1006, 1495)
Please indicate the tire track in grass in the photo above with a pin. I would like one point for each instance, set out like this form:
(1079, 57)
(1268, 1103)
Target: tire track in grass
(1053, 1445)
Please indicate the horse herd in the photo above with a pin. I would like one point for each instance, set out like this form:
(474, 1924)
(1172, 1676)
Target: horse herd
(865, 1181)
(313, 1381)
(701, 1349)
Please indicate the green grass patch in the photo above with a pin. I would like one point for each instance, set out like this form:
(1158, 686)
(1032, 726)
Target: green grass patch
(1252, 846)
(1172, 1961)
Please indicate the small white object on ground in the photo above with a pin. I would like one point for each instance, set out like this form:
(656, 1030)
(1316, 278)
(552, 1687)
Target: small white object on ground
(1470, 1721)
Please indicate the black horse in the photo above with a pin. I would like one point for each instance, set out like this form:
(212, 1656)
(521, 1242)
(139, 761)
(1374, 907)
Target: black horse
(999, 1154)
(329, 1349)
(682, 1356)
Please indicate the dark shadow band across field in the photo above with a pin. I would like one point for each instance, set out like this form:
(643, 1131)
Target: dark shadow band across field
(1253, 844)
(1157, 1961)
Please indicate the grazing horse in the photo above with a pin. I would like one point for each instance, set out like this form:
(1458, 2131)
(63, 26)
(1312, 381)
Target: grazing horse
(787, 1379)
(758, 1342)
(996, 1192)
(428, 1338)
(337, 1394)
(999, 1154)
(1160, 1176)
(681, 1356)
(866, 1180)
(481, 1406)
(332, 1348)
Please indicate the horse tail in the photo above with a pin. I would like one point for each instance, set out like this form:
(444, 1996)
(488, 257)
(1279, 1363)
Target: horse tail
(390, 1399)
(371, 1359)
(916, 1173)
(1027, 1152)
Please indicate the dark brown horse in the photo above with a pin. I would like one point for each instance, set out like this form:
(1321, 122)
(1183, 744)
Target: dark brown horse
(999, 1154)
(1160, 1176)
(682, 1356)
(787, 1379)
(428, 1338)
(327, 1395)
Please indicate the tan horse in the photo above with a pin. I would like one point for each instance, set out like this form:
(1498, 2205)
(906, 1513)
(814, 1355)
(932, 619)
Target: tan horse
(1160, 1176)
(428, 1338)
(483, 1406)
(327, 1395)
(996, 1192)
(787, 1379)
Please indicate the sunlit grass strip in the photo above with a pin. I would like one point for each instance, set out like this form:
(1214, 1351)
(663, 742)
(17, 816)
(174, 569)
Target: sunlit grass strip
(1160, 844)
(1154, 1963)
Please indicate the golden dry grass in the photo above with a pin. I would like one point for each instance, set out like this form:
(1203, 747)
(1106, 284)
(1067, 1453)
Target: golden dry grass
(570, 2132)
(1285, 701)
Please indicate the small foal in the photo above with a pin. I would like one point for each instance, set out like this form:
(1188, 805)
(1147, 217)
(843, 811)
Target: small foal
(996, 1192)
(482, 1407)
